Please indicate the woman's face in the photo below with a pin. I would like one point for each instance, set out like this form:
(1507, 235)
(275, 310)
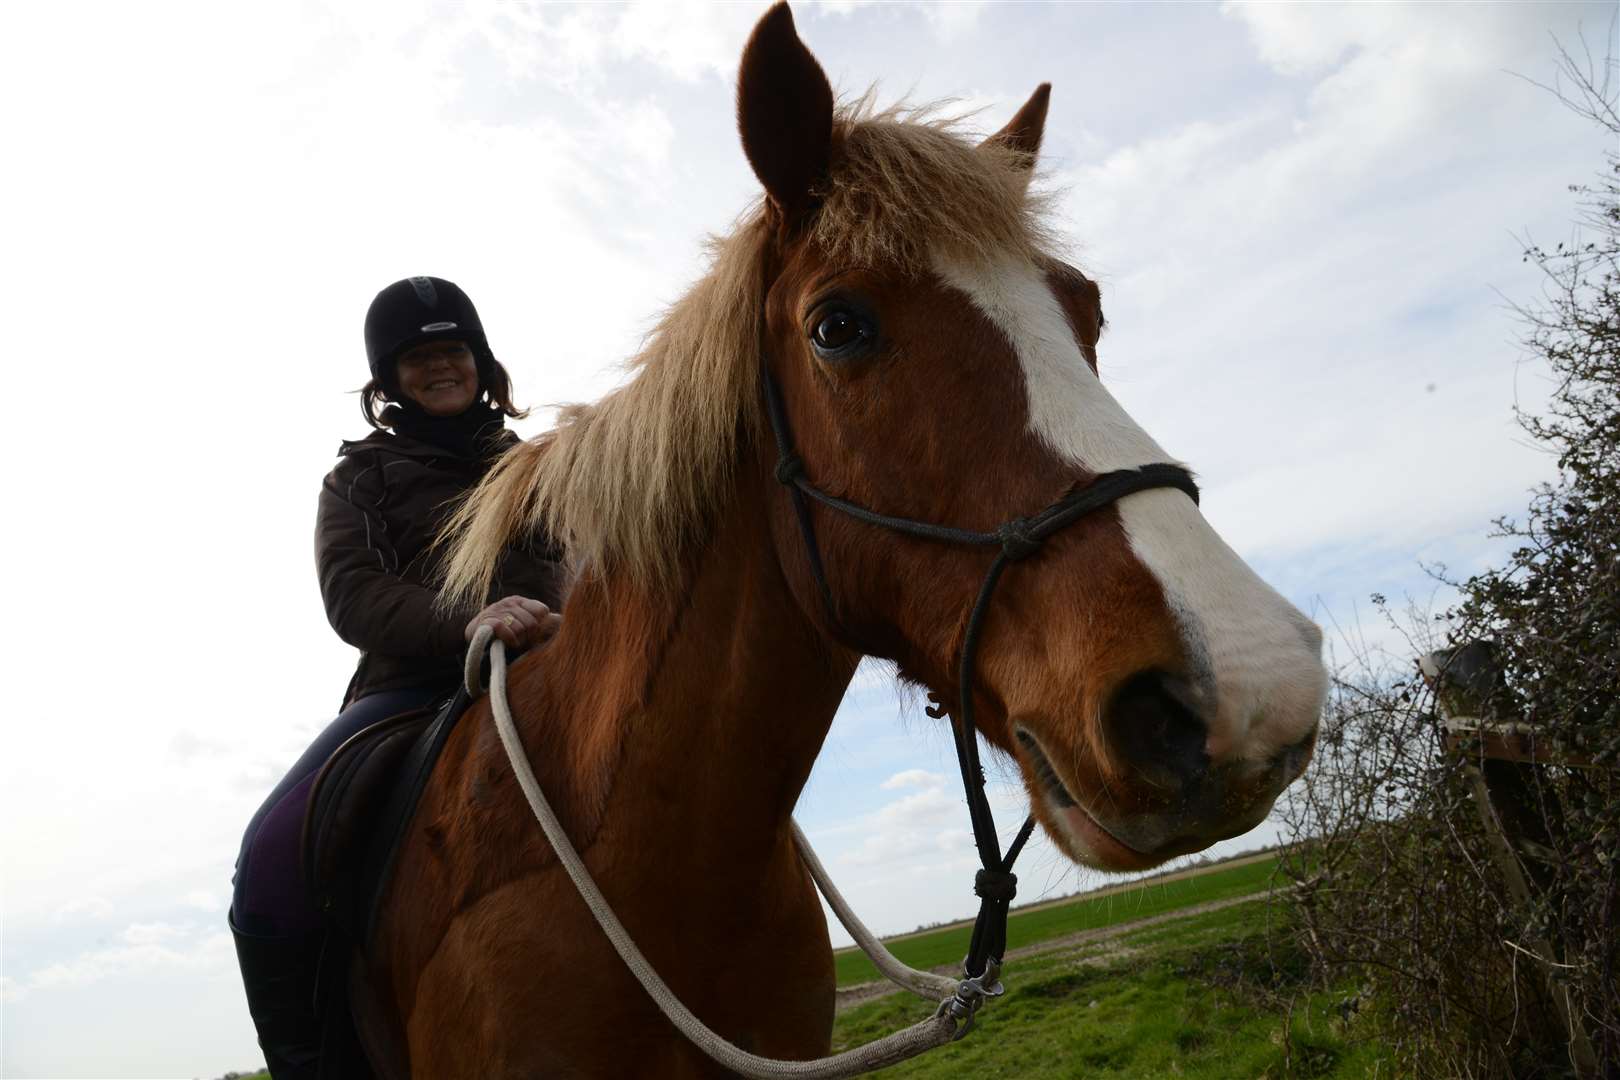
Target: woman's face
(440, 376)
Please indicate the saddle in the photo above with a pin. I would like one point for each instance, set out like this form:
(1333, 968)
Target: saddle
(359, 806)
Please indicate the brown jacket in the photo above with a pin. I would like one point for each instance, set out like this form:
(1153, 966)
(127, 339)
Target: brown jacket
(380, 508)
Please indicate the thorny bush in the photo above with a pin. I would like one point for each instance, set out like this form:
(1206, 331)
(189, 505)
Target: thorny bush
(1398, 888)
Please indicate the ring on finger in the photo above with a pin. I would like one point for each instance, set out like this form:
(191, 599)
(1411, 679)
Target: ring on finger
(508, 620)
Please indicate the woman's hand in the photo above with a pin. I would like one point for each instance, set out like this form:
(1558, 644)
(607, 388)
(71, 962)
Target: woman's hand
(518, 621)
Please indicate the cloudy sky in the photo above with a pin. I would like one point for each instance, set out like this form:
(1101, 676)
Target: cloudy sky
(1305, 221)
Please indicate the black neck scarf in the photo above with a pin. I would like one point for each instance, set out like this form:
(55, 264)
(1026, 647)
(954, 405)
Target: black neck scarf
(469, 434)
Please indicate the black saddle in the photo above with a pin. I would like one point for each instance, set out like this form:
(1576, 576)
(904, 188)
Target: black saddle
(359, 806)
(361, 802)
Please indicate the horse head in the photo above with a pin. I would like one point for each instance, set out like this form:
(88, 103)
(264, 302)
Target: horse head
(938, 361)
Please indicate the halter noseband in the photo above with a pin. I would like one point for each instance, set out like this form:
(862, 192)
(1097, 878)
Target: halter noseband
(995, 884)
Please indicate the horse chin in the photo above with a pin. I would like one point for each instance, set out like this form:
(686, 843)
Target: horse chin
(1088, 843)
(1060, 809)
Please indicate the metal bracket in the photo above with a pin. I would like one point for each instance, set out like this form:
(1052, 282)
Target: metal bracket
(971, 994)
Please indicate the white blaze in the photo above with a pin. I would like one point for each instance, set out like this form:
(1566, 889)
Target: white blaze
(1260, 653)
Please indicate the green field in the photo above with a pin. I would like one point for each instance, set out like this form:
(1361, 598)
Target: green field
(1201, 997)
(949, 946)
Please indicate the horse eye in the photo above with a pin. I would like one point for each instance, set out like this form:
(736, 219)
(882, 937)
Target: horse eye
(838, 330)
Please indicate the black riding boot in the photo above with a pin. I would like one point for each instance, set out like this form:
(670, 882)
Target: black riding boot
(279, 975)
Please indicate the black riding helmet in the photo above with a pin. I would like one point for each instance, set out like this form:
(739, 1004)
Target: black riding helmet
(417, 310)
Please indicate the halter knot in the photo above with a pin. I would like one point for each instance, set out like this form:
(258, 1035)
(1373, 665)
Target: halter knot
(789, 467)
(995, 885)
(1016, 541)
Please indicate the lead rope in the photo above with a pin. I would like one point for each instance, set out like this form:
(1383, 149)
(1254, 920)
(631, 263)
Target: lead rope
(958, 1001)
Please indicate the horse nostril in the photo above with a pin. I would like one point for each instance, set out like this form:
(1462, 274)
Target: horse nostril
(1151, 726)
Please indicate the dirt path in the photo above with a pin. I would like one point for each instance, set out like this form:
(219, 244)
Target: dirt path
(860, 993)
(1109, 890)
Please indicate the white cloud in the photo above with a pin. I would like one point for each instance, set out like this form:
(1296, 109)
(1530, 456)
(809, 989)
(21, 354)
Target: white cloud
(83, 908)
(163, 1005)
(1283, 284)
(911, 826)
(647, 133)
(1298, 40)
(154, 933)
(955, 19)
(843, 7)
(687, 38)
(142, 949)
(205, 900)
(1311, 40)
(918, 778)
(187, 745)
(552, 42)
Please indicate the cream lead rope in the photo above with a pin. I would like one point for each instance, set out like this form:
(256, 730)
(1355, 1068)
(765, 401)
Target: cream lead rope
(958, 1000)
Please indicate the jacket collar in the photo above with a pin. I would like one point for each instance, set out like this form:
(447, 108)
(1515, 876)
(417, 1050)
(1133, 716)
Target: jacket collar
(405, 446)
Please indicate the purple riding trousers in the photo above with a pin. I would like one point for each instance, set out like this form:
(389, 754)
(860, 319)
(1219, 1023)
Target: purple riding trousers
(269, 899)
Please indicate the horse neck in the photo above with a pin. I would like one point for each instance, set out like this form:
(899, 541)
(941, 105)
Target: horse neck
(691, 716)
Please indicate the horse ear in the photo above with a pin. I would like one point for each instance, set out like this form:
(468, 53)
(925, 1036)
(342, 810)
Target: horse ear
(1023, 132)
(784, 112)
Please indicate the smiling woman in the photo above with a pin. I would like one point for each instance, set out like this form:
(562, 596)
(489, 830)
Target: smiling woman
(444, 399)
(440, 378)
(429, 358)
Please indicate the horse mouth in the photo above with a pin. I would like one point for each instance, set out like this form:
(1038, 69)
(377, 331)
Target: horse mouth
(1089, 840)
(1041, 765)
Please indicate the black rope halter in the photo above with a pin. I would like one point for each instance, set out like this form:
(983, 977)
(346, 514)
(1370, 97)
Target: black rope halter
(995, 884)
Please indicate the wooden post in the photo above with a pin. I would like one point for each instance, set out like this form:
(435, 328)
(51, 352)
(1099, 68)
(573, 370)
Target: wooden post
(1499, 759)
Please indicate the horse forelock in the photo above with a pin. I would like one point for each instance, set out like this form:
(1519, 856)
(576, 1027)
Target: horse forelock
(630, 483)
(906, 183)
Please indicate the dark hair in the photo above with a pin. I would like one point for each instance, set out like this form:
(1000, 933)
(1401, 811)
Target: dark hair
(494, 384)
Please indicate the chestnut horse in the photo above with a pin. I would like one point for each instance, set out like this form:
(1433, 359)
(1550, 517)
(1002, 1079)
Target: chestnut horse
(938, 362)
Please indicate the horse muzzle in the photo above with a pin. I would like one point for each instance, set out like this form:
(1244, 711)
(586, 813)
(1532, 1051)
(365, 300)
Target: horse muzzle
(1168, 797)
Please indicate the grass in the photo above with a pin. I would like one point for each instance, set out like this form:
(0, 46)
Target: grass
(948, 946)
(1200, 998)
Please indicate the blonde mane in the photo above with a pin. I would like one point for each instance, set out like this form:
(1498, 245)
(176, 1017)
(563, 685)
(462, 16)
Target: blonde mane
(632, 482)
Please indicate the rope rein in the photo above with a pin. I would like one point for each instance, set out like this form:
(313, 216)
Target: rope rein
(957, 1001)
